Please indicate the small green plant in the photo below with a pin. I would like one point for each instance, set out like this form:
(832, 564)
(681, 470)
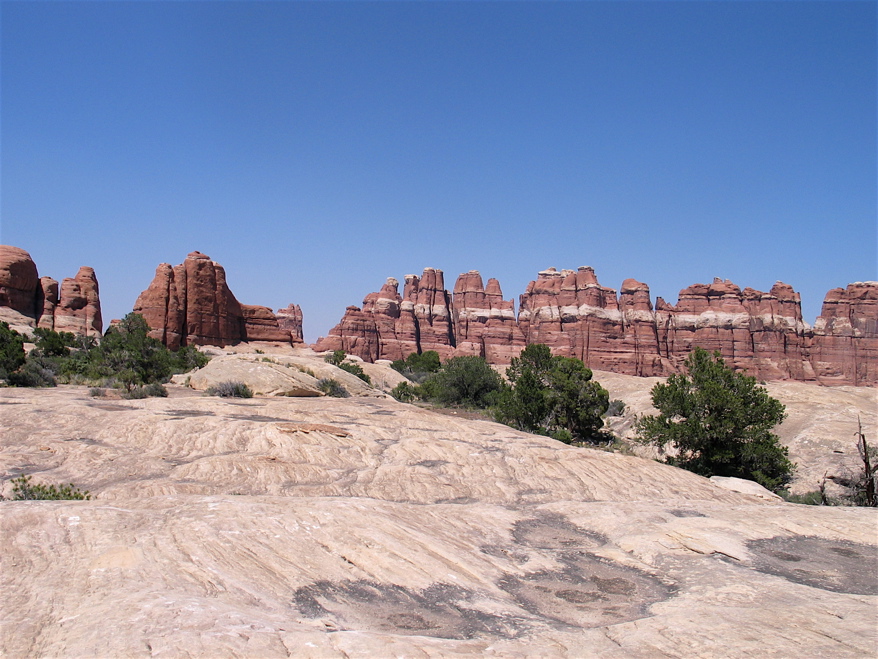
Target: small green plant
(417, 367)
(230, 389)
(151, 390)
(332, 388)
(355, 369)
(616, 408)
(813, 498)
(260, 352)
(404, 392)
(336, 357)
(24, 490)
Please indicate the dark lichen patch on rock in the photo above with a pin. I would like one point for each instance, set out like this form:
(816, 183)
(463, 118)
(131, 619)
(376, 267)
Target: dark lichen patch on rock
(553, 531)
(589, 591)
(186, 413)
(441, 610)
(839, 566)
(682, 512)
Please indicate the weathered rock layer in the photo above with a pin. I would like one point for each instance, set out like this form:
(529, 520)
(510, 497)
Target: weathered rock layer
(28, 300)
(191, 304)
(760, 332)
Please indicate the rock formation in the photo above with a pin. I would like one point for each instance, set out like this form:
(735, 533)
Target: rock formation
(290, 320)
(844, 348)
(28, 300)
(191, 304)
(762, 333)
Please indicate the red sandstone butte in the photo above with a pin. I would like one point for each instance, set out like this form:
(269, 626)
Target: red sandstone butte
(760, 332)
(191, 304)
(32, 301)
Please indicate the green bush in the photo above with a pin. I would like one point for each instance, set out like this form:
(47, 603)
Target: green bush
(553, 396)
(36, 372)
(465, 381)
(616, 408)
(355, 369)
(332, 388)
(404, 392)
(24, 490)
(417, 367)
(11, 350)
(720, 422)
(336, 357)
(52, 343)
(151, 390)
(230, 389)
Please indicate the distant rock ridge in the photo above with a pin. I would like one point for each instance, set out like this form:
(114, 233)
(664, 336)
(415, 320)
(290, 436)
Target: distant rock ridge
(760, 332)
(191, 304)
(28, 300)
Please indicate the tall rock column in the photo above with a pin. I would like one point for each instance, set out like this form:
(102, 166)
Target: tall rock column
(484, 323)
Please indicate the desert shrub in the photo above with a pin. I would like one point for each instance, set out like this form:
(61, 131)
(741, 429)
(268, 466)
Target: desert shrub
(336, 357)
(355, 369)
(466, 381)
(404, 392)
(813, 498)
(11, 350)
(151, 390)
(720, 421)
(230, 389)
(97, 392)
(616, 408)
(332, 388)
(36, 372)
(417, 367)
(553, 396)
(24, 490)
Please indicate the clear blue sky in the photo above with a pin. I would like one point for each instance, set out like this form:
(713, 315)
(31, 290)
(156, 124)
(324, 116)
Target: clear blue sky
(315, 149)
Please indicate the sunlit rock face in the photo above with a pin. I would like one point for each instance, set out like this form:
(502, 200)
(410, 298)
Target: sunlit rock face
(28, 300)
(191, 304)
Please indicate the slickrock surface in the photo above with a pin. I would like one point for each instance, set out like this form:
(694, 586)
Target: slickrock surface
(191, 304)
(576, 316)
(362, 527)
(28, 300)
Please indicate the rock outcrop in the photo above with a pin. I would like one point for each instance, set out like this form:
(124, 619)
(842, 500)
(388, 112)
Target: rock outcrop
(760, 332)
(844, 347)
(191, 304)
(28, 300)
(290, 319)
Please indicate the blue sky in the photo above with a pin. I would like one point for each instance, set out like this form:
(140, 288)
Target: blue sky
(315, 149)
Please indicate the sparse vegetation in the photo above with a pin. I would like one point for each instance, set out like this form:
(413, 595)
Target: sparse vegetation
(332, 388)
(338, 357)
(230, 389)
(24, 490)
(720, 422)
